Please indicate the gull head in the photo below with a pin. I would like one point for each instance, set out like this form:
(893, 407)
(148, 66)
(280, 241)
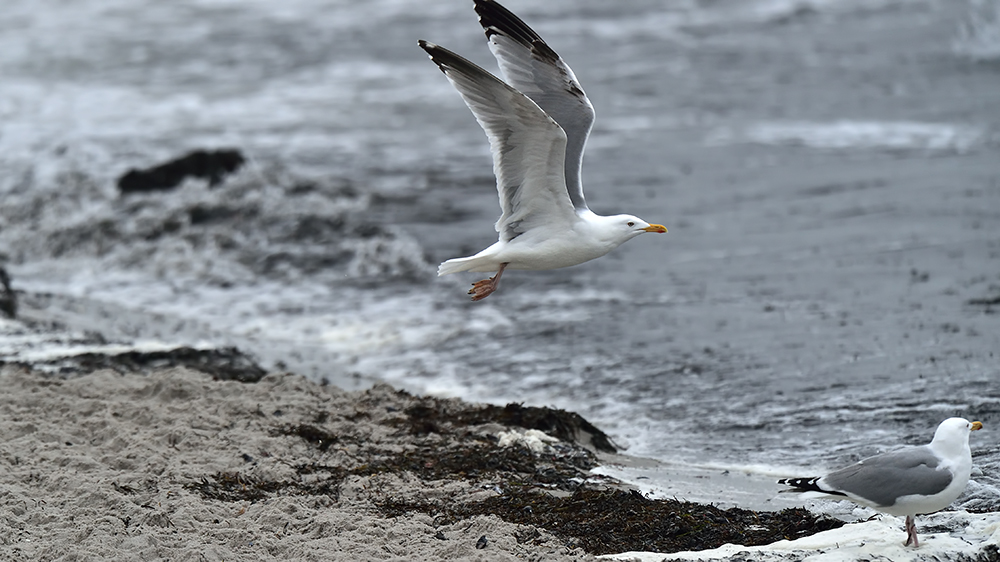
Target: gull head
(630, 226)
(609, 232)
(954, 432)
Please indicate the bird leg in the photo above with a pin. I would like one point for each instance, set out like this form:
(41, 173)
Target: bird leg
(911, 532)
(482, 289)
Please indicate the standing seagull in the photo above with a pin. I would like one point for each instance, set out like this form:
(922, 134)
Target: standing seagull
(910, 481)
(537, 123)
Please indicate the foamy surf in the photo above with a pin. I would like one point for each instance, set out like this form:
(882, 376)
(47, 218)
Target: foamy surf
(963, 536)
(979, 35)
(857, 135)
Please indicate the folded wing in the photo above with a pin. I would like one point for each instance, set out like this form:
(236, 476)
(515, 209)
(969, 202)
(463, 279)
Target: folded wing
(885, 478)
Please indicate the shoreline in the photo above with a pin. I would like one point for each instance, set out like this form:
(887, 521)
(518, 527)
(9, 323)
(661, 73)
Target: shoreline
(137, 459)
(200, 454)
(125, 453)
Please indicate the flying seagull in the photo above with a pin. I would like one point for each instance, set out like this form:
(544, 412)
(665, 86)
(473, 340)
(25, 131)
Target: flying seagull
(537, 123)
(910, 481)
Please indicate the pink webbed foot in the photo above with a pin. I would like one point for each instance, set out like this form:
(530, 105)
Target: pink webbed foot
(911, 532)
(482, 289)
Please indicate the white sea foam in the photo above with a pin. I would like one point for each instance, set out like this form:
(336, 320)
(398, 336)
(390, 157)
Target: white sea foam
(857, 135)
(969, 536)
(979, 35)
(24, 343)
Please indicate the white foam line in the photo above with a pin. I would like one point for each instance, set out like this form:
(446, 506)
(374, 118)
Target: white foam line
(880, 538)
(54, 350)
(848, 134)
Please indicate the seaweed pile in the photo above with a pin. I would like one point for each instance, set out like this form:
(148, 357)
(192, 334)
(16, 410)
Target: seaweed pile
(550, 490)
(222, 363)
(612, 520)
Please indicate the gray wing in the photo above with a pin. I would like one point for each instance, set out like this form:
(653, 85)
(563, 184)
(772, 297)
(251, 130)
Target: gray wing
(528, 146)
(883, 479)
(532, 67)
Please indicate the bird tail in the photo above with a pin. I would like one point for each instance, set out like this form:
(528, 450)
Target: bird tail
(484, 261)
(456, 265)
(807, 484)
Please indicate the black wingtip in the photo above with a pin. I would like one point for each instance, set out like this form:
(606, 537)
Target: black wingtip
(433, 52)
(448, 61)
(497, 20)
(807, 485)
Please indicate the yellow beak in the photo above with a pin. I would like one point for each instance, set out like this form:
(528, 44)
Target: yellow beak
(655, 228)
(977, 425)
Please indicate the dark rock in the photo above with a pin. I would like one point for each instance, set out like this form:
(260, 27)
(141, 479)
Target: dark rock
(482, 542)
(987, 302)
(202, 214)
(210, 165)
(8, 300)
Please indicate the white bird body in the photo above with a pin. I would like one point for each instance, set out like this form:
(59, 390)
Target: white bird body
(537, 123)
(956, 459)
(588, 237)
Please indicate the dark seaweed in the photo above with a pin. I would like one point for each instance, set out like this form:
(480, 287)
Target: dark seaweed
(610, 521)
(552, 490)
(237, 486)
(226, 363)
(435, 416)
(584, 513)
(315, 435)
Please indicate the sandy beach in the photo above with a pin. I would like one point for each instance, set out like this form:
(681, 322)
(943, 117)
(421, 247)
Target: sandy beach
(140, 451)
(108, 466)
(119, 453)
(138, 459)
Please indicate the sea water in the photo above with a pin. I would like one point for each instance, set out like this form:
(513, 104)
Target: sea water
(826, 170)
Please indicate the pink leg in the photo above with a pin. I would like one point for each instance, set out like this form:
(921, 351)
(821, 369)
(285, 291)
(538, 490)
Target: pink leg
(911, 532)
(482, 289)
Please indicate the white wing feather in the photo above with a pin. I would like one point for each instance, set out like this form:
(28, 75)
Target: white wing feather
(533, 68)
(528, 146)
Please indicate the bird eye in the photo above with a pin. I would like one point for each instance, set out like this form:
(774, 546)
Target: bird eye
(630, 223)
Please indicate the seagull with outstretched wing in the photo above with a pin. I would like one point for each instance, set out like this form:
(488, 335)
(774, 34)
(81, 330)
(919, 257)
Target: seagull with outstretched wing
(537, 123)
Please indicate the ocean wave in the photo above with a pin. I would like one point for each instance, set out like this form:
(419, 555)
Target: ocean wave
(253, 225)
(979, 36)
(857, 135)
